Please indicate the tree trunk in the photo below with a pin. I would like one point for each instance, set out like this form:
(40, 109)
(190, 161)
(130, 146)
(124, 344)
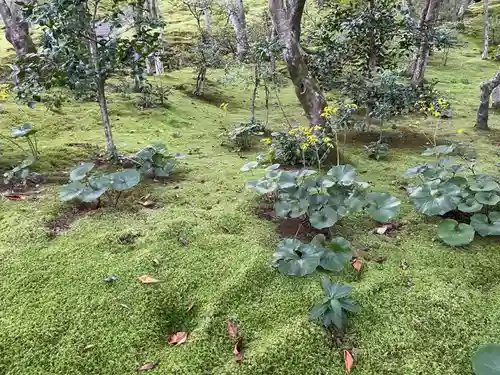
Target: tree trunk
(486, 30)
(208, 21)
(287, 16)
(428, 18)
(484, 101)
(200, 80)
(16, 29)
(236, 13)
(256, 84)
(103, 104)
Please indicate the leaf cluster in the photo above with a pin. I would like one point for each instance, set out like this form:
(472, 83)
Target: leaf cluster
(323, 199)
(154, 161)
(88, 185)
(446, 186)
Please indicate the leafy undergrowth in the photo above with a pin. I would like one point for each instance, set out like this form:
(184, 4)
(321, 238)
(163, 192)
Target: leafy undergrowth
(423, 311)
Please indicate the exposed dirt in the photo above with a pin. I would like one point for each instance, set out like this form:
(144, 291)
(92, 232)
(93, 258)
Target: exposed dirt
(299, 228)
(63, 222)
(461, 217)
(405, 138)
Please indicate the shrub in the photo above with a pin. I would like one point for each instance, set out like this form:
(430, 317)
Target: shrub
(449, 187)
(154, 161)
(153, 95)
(377, 150)
(87, 185)
(242, 137)
(306, 146)
(19, 173)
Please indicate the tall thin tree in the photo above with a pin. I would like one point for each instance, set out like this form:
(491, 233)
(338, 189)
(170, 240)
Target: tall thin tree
(486, 26)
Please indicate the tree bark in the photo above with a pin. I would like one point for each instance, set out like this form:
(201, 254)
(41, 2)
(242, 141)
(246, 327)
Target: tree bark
(236, 13)
(101, 96)
(208, 21)
(428, 18)
(486, 30)
(484, 101)
(256, 84)
(16, 29)
(286, 16)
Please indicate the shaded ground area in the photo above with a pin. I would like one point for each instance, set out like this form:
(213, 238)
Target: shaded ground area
(424, 309)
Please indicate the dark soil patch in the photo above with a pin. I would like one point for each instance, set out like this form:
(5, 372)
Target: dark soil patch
(461, 217)
(63, 222)
(406, 139)
(128, 238)
(299, 228)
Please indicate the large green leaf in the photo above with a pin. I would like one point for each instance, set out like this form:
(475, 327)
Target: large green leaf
(343, 174)
(323, 218)
(439, 150)
(265, 186)
(486, 225)
(282, 208)
(299, 208)
(383, 207)
(436, 198)
(483, 184)
(249, 166)
(23, 130)
(91, 195)
(489, 198)
(294, 258)
(470, 205)
(287, 180)
(71, 191)
(486, 361)
(80, 172)
(124, 180)
(455, 234)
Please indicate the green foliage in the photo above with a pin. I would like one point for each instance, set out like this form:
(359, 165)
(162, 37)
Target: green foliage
(87, 185)
(294, 258)
(355, 39)
(306, 146)
(446, 187)
(19, 173)
(377, 150)
(324, 199)
(486, 360)
(243, 136)
(333, 309)
(153, 95)
(154, 161)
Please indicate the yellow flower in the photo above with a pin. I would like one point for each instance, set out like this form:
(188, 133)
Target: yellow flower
(326, 140)
(223, 106)
(291, 132)
(460, 131)
(436, 114)
(312, 139)
(317, 128)
(304, 146)
(267, 141)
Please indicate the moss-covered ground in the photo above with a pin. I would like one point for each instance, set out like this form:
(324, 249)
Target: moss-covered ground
(205, 244)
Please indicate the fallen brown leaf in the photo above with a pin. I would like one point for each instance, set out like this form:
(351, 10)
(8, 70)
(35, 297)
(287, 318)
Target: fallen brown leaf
(356, 263)
(387, 228)
(14, 197)
(148, 204)
(238, 350)
(381, 230)
(177, 338)
(148, 366)
(190, 307)
(348, 360)
(232, 329)
(146, 279)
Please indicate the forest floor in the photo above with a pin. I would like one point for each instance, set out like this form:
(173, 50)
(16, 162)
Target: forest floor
(423, 311)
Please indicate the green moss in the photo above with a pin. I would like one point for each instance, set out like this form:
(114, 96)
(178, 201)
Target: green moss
(58, 317)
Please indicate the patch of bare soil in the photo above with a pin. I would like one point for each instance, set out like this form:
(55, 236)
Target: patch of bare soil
(299, 228)
(62, 223)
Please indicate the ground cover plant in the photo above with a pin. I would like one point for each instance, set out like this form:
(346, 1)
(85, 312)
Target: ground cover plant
(333, 265)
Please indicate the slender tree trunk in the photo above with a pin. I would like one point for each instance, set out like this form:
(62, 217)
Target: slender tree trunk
(208, 21)
(486, 29)
(427, 22)
(101, 96)
(16, 29)
(256, 84)
(200, 80)
(236, 13)
(484, 101)
(287, 16)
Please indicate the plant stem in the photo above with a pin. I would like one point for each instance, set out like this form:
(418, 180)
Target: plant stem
(117, 198)
(13, 142)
